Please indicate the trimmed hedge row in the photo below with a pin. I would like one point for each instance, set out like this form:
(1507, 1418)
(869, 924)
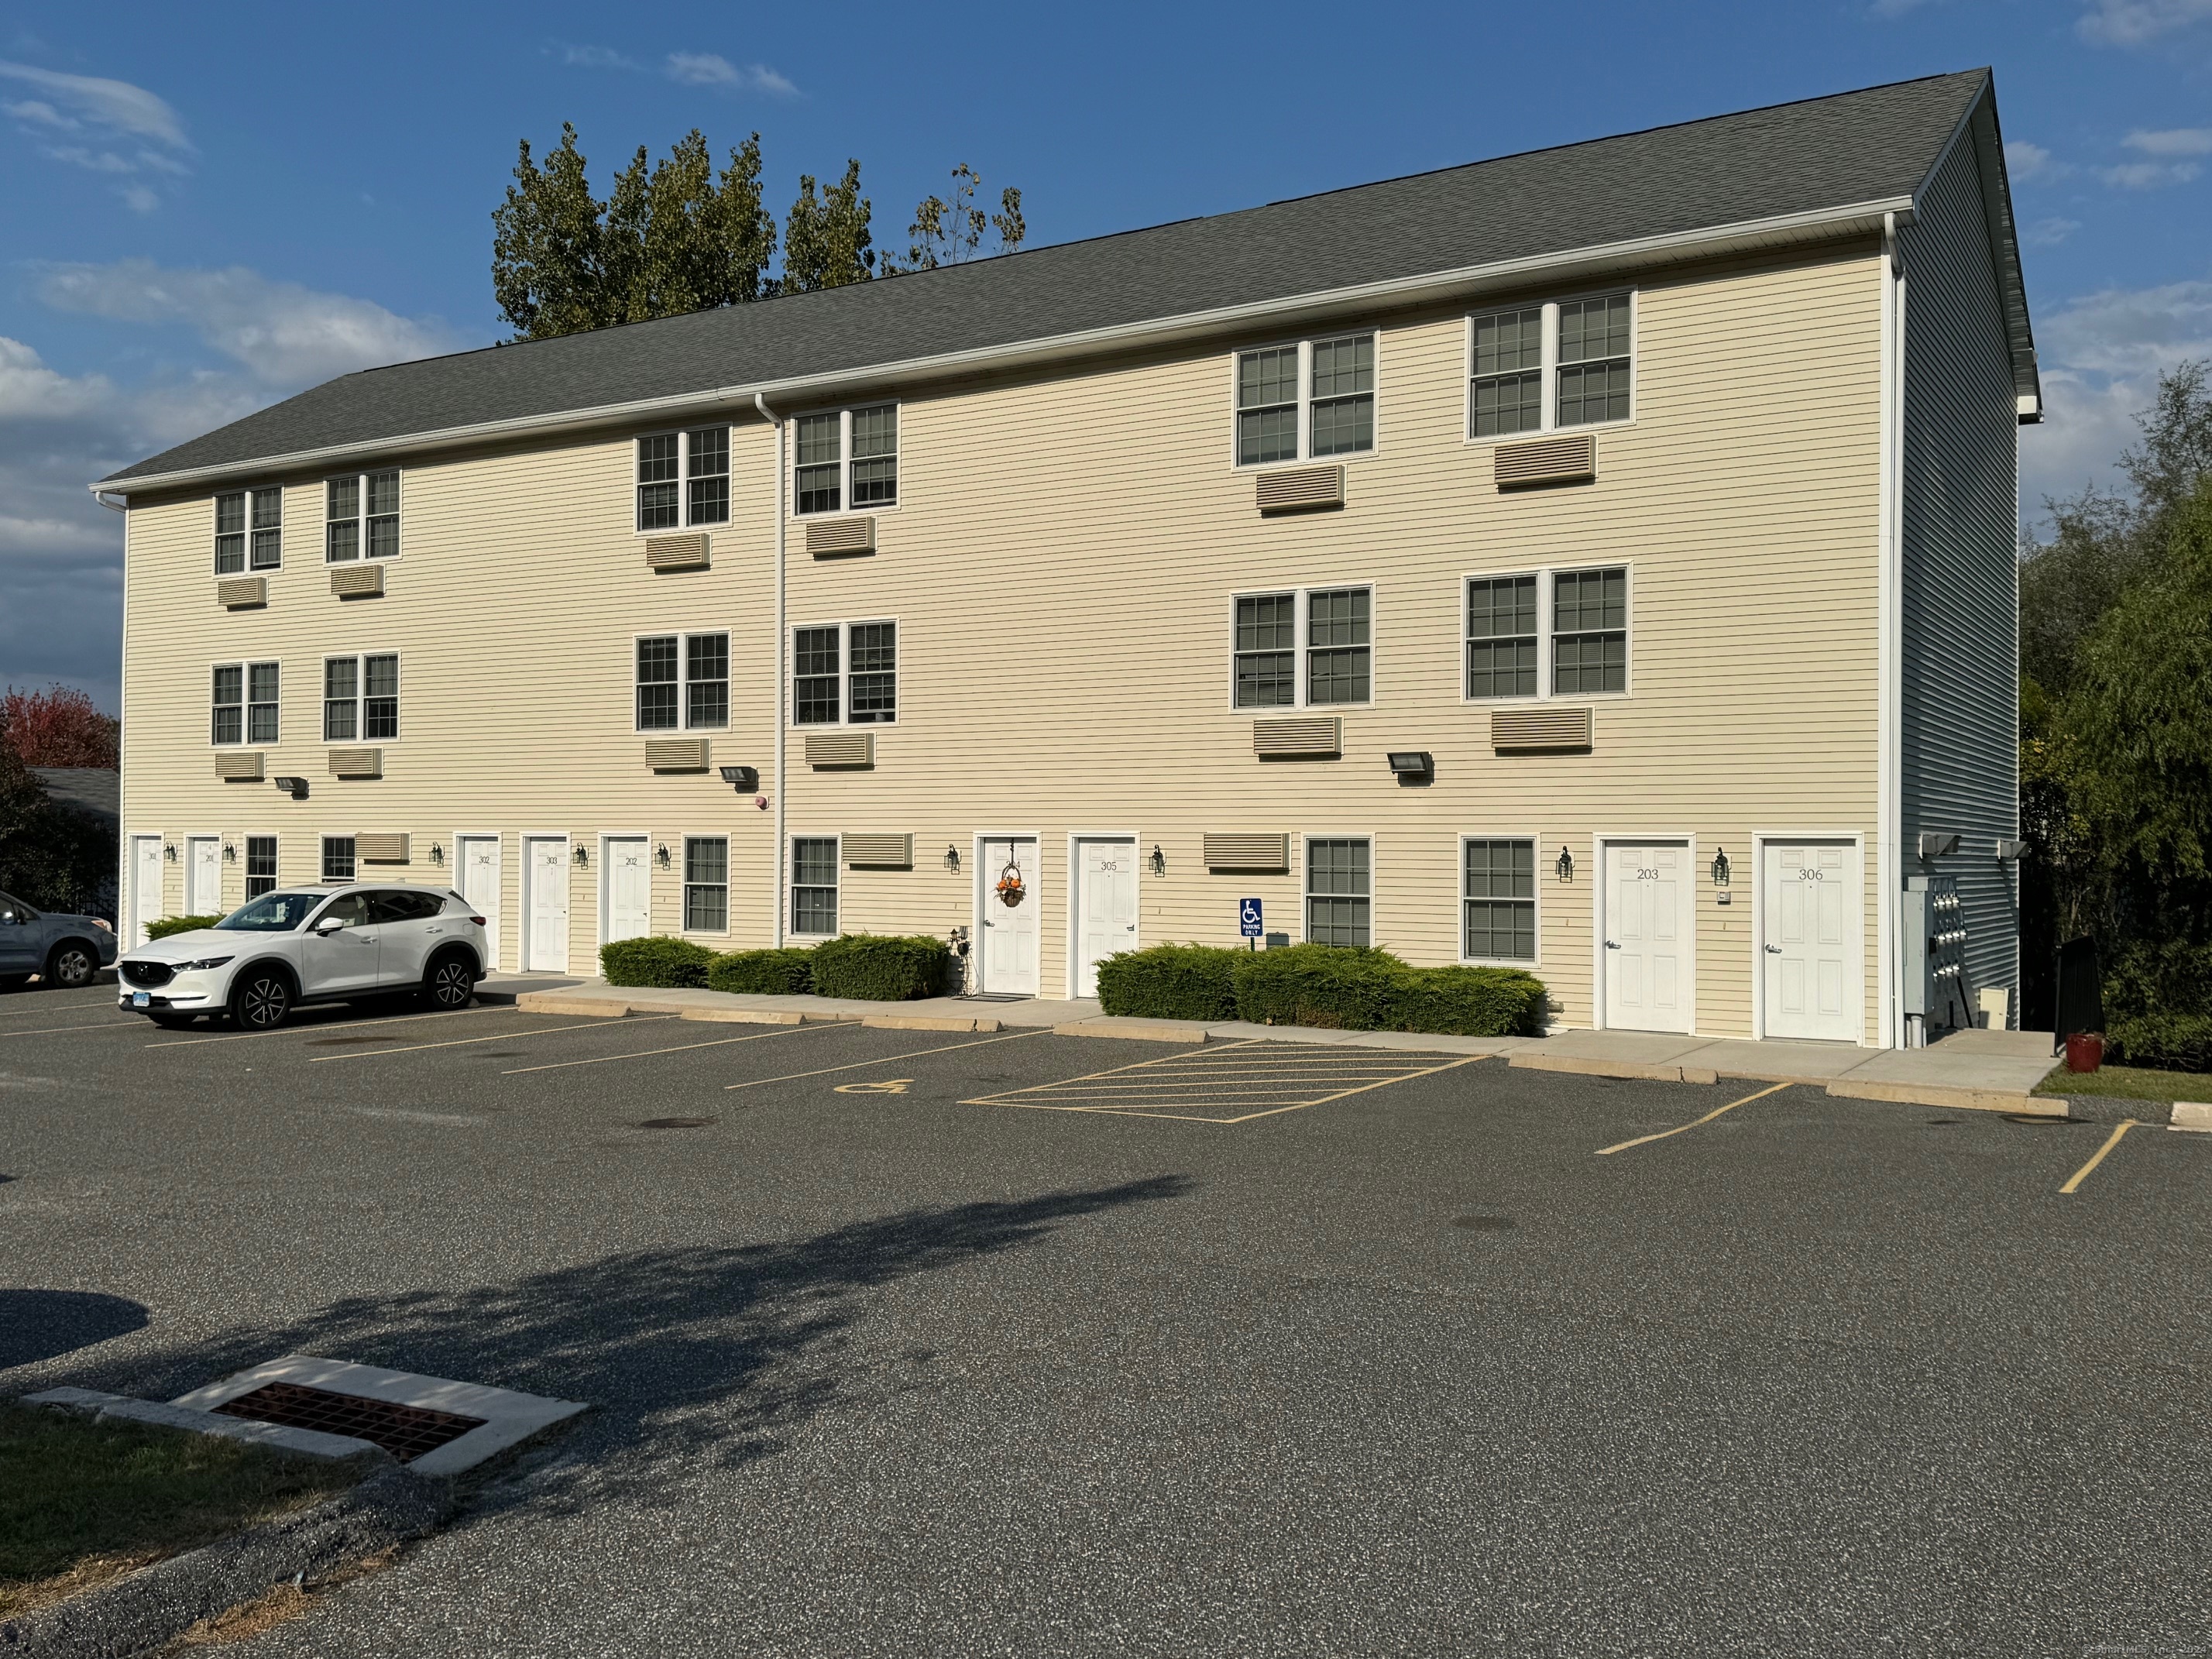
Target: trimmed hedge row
(169, 925)
(1330, 986)
(874, 967)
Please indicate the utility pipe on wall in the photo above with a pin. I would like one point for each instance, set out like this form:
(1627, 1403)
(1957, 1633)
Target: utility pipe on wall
(775, 785)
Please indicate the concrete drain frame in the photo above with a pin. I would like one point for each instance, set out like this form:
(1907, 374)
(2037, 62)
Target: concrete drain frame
(414, 1410)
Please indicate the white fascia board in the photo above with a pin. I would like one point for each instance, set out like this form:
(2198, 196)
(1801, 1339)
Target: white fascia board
(1819, 223)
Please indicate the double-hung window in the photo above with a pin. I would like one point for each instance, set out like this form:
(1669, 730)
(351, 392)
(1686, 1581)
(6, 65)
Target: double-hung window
(361, 516)
(845, 673)
(1547, 633)
(1306, 401)
(683, 682)
(1498, 900)
(260, 866)
(683, 478)
(338, 861)
(1336, 625)
(814, 885)
(360, 698)
(845, 456)
(706, 883)
(249, 531)
(1338, 892)
(246, 704)
(1544, 368)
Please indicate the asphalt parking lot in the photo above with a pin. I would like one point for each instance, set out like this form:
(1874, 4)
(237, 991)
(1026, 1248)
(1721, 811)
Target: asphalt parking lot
(906, 1341)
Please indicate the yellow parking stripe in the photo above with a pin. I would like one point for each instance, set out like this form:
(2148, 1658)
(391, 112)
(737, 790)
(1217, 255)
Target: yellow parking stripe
(2111, 1141)
(681, 1048)
(1645, 1140)
(463, 1042)
(1254, 1072)
(888, 1060)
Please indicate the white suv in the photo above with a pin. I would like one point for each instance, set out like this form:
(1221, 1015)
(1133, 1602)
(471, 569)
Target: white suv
(314, 945)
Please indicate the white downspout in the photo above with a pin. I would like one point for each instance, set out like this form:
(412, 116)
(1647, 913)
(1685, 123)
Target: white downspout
(123, 895)
(1888, 818)
(775, 785)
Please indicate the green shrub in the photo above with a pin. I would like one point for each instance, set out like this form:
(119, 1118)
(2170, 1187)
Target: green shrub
(882, 967)
(763, 973)
(657, 961)
(2165, 1043)
(1171, 981)
(1340, 989)
(1469, 1002)
(2158, 1007)
(169, 925)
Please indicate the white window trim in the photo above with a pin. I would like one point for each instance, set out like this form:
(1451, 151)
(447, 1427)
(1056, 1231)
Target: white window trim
(360, 698)
(1459, 877)
(1548, 425)
(684, 883)
(844, 675)
(845, 507)
(791, 883)
(322, 857)
(683, 637)
(683, 520)
(215, 531)
(1543, 574)
(1303, 646)
(1305, 345)
(1306, 839)
(245, 666)
(361, 483)
(245, 863)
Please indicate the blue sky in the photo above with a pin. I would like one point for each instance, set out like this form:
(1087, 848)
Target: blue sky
(207, 208)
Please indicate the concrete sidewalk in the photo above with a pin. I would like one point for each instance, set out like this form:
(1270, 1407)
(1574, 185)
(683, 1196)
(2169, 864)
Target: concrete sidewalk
(1981, 1071)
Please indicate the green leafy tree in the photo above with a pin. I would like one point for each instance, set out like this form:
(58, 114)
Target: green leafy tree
(548, 267)
(826, 240)
(952, 233)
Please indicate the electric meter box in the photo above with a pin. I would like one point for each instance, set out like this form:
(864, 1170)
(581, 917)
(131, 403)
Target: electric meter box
(1937, 997)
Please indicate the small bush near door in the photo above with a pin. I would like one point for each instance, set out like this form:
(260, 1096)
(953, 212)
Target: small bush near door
(169, 925)
(656, 962)
(763, 973)
(882, 967)
(1169, 982)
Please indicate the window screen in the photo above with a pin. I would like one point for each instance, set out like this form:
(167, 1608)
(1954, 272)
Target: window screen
(1506, 394)
(261, 703)
(659, 462)
(707, 480)
(230, 533)
(875, 456)
(875, 673)
(817, 482)
(342, 520)
(1344, 395)
(1594, 360)
(814, 658)
(1499, 897)
(341, 694)
(1338, 651)
(706, 884)
(1501, 637)
(260, 866)
(337, 858)
(1267, 651)
(1267, 406)
(230, 704)
(658, 709)
(379, 705)
(814, 885)
(706, 680)
(1590, 630)
(383, 492)
(1337, 893)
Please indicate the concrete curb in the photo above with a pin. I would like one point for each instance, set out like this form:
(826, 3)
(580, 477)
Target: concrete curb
(1956, 1099)
(1146, 1030)
(927, 1022)
(1582, 1068)
(159, 1603)
(117, 1407)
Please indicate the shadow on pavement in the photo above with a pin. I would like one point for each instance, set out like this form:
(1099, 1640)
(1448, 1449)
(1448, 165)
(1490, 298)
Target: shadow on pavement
(37, 1325)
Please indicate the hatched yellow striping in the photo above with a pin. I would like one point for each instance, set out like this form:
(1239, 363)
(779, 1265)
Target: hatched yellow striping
(1233, 1080)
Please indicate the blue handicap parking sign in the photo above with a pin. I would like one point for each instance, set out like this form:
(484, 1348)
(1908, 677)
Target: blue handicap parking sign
(1247, 918)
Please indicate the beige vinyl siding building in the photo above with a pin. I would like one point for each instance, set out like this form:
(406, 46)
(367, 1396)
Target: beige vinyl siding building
(1064, 642)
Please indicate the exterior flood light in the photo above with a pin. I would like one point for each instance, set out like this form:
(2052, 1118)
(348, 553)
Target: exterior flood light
(1565, 865)
(1937, 847)
(1412, 762)
(295, 787)
(744, 779)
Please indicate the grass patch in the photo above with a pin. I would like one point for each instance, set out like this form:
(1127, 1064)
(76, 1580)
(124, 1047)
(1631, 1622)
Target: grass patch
(82, 1502)
(2127, 1083)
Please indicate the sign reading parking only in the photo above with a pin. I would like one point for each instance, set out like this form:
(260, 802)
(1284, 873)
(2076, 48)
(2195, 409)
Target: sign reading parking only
(1247, 918)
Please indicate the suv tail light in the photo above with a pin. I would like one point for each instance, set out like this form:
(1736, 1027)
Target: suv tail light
(478, 921)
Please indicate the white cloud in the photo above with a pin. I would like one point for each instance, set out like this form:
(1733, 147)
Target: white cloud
(597, 58)
(284, 333)
(2131, 22)
(105, 161)
(2024, 161)
(2174, 141)
(2148, 175)
(707, 68)
(2049, 233)
(114, 105)
(138, 198)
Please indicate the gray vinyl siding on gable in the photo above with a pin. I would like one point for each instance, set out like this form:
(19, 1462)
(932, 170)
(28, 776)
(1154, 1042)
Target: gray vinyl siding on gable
(1960, 659)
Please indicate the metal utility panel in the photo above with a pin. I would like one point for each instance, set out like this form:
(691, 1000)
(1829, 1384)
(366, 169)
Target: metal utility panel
(1937, 997)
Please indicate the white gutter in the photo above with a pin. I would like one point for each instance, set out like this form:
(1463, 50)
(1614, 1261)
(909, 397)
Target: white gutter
(1889, 878)
(775, 863)
(1812, 225)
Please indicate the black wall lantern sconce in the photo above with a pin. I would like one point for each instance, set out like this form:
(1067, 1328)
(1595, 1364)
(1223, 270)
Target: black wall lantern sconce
(1720, 867)
(1564, 866)
(660, 855)
(952, 858)
(437, 853)
(169, 852)
(582, 856)
(229, 854)
(1159, 860)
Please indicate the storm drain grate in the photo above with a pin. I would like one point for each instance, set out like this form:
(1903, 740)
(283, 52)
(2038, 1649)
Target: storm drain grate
(406, 1432)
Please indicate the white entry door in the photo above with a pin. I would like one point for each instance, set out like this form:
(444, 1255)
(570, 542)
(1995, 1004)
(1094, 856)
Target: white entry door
(1810, 950)
(203, 871)
(478, 858)
(145, 885)
(1648, 895)
(627, 875)
(545, 904)
(1105, 907)
(1010, 915)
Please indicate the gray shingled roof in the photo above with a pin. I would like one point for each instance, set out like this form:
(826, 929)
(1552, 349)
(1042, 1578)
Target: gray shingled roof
(1825, 153)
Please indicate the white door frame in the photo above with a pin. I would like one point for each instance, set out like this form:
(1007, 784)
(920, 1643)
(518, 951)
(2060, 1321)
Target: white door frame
(1760, 838)
(980, 897)
(137, 885)
(523, 908)
(191, 844)
(461, 885)
(606, 835)
(1075, 839)
(1599, 843)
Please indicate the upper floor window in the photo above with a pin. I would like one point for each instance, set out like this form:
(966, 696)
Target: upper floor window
(1545, 632)
(1337, 626)
(1539, 368)
(683, 478)
(244, 703)
(845, 458)
(845, 673)
(361, 515)
(1305, 401)
(683, 682)
(360, 698)
(249, 531)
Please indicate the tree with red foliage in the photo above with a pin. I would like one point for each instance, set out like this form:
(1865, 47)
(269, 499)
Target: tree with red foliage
(58, 727)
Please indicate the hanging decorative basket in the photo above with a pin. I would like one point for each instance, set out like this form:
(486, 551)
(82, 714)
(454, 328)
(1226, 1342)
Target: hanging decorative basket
(1009, 889)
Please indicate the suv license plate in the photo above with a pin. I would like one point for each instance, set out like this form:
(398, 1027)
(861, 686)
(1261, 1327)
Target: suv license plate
(140, 999)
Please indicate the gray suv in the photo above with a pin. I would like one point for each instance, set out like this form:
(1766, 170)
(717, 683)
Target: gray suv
(67, 949)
